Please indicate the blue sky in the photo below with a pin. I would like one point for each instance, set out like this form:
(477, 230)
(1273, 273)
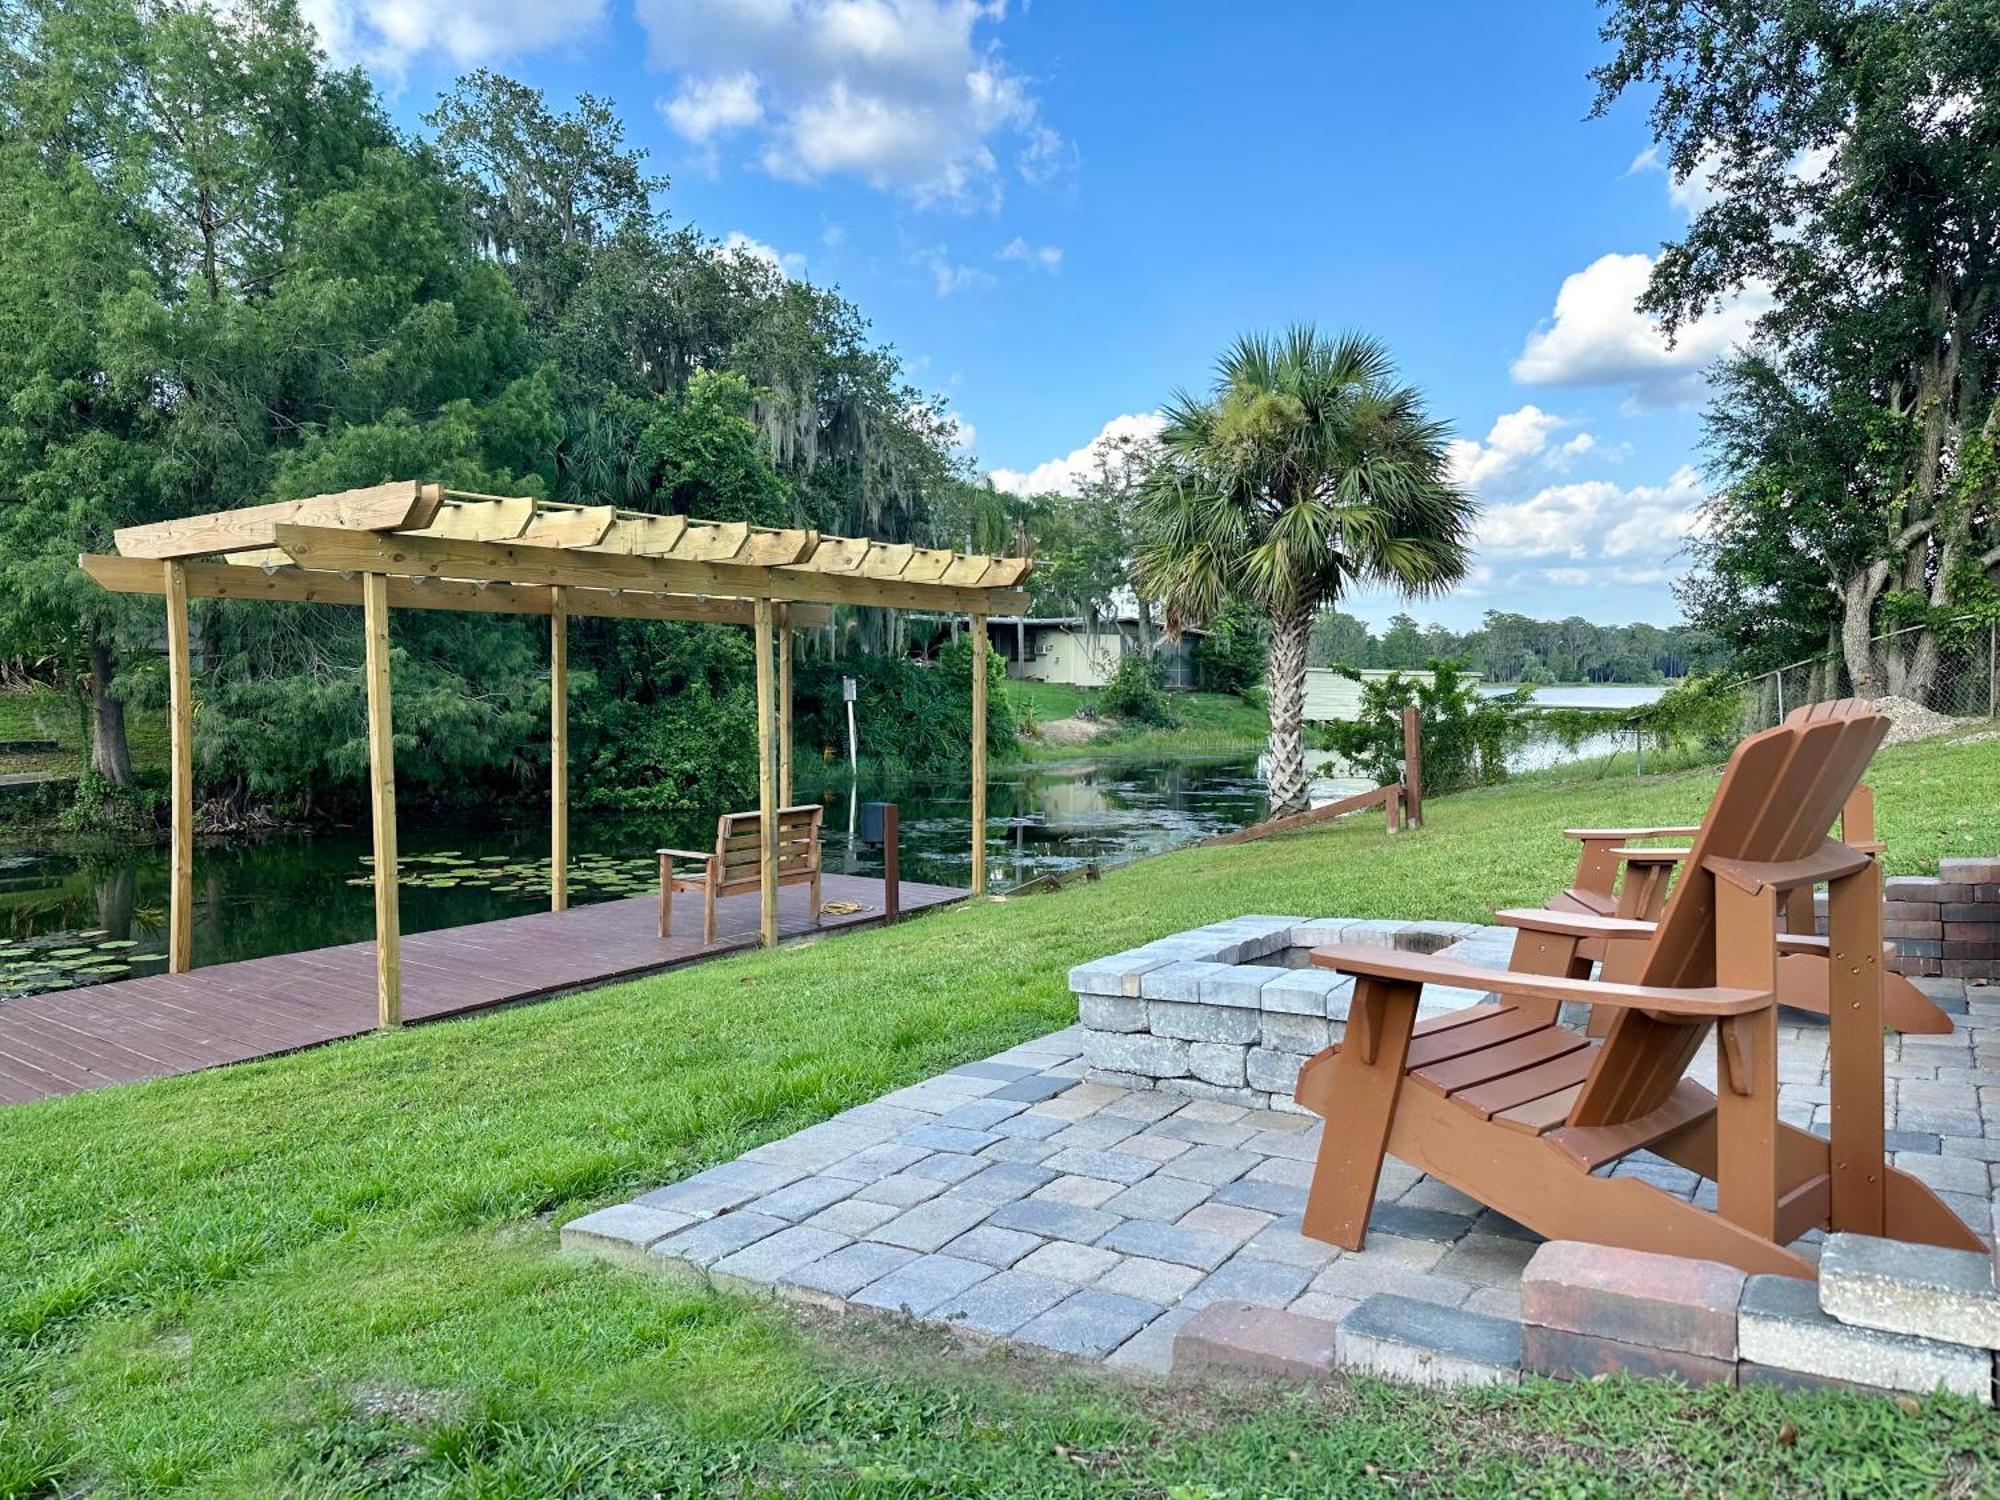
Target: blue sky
(1059, 213)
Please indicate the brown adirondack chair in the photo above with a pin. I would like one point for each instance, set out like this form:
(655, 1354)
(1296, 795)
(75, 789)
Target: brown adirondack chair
(1615, 879)
(1511, 1106)
(736, 862)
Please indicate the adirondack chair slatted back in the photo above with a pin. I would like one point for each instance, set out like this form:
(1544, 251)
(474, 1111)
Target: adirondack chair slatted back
(1777, 798)
(739, 846)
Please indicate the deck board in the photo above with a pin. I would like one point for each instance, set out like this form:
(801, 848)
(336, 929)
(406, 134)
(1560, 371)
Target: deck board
(159, 1025)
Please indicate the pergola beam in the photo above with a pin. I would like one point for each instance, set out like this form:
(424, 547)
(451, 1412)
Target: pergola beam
(130, 575)
(379, 507)
(330, 549)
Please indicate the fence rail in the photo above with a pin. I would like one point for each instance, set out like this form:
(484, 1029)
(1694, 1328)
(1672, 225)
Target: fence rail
(1951, 669)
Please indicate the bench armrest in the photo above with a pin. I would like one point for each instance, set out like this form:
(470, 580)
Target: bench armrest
(704, 855)
(1599, 835)
(1713, 1003)
(1576, 924)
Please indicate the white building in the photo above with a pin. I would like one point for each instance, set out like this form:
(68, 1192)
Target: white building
(1084, 653)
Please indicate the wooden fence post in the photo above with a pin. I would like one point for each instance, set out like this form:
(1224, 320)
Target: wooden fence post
(892, 862)
(1413, 766)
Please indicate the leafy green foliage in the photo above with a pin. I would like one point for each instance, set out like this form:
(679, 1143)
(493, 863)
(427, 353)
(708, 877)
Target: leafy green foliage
(910, 716)
(1466, 733)
(1236, 651)
(700, 456)
(1134, 692)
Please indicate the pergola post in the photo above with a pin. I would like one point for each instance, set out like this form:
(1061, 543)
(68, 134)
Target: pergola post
(180, 870)
(767, 785)
(979, 755)
(784, 623)
(382, 793)
(558, 749)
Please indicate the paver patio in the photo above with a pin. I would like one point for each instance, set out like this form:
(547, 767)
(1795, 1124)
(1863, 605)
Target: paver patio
(1015, 1198)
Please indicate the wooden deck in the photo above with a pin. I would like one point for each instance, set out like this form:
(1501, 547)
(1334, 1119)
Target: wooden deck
(71, 1040)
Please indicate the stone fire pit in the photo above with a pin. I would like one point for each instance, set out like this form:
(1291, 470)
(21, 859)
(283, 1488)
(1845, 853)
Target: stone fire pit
(1230, 1011)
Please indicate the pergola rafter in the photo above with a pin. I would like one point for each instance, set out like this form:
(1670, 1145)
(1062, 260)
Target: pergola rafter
(410, 545)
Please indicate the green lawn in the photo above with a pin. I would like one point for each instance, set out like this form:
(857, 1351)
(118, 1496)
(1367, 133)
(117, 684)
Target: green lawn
(337, 1272)
(44, 714)
(1203, 722)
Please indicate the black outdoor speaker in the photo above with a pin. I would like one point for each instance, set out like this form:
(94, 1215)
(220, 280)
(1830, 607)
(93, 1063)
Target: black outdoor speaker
(872, 823)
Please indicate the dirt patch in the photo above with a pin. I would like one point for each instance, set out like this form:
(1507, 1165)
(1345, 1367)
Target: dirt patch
(1071, 731)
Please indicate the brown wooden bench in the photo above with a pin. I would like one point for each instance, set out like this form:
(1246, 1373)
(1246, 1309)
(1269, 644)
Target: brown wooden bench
(736, 863)
(1509, 1105)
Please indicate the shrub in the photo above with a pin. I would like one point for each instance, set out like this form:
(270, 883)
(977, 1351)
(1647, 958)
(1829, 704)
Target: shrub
(1465, 732)
(1134, 691)
(1235, 652)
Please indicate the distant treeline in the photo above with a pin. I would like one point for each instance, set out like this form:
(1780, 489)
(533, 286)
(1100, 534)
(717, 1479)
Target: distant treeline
(1513, 648)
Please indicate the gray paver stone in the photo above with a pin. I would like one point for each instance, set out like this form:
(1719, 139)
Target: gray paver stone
(1780, 1324)
(929, 1225)
(1150, 1056)
(1161, 1198)
(1273, 1071)
(1421, 1343)
(625, 1230)
(993, 1246)
(1002, 1303)
(1916, 1289)
(1056, 1221)
(1217, 1062)
(922, 1284)
(1089, 1322)
(764, 1262)
(1187, 1247)
(1111, 1012)
(1202, 1023)
(847, 1271)
(706, 1243)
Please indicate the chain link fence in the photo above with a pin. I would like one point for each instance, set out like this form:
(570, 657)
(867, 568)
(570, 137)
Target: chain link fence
(1951, 670)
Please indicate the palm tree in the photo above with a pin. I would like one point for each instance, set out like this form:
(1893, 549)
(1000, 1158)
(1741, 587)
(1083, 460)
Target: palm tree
(1306, 468)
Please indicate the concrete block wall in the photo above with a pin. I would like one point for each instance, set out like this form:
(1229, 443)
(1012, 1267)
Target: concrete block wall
(1218, 1013)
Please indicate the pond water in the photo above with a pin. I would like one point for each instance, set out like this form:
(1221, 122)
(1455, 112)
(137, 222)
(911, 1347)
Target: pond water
(78, 912)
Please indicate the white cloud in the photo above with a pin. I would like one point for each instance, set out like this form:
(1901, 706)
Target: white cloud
(1598, 336)
(1048, 257)
(949, 276)
(1626, 530)
(706, 107)
(1065, 475)
(964, 436)
(785, 262)
(1517, 442)
(390, 34)
(1690, 194)
(905, 95)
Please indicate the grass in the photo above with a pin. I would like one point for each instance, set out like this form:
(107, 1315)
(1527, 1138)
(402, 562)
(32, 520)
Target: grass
(336, 1272)
(1204, 722)
(42, 713)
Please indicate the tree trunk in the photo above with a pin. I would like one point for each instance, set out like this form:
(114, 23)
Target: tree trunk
(110, 756)
(1285, 680)
(1857, 611)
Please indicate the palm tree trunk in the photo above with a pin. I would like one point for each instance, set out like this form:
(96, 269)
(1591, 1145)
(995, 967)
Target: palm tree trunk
(1285, 679)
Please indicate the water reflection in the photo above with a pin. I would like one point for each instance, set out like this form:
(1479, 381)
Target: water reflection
(76, 912)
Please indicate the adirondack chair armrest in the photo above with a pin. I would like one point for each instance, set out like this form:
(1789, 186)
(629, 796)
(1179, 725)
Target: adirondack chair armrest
(1576, 924)
(1660, 856)
(1601, 835)
(1366, 961)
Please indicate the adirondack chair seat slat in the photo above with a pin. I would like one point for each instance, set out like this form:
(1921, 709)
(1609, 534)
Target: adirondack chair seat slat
(1520, 1111)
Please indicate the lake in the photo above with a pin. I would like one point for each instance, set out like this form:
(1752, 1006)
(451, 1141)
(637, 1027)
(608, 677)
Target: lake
(74, 911)
(77, 912)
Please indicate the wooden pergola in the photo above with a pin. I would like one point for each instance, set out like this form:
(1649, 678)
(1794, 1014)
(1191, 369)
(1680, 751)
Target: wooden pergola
(410, 545)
